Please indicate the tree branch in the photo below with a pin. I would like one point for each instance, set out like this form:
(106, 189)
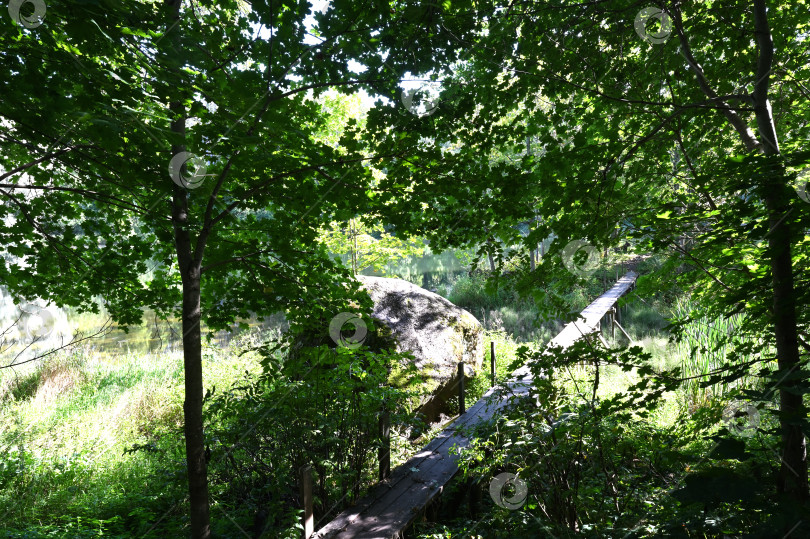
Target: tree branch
(762, 104)
(42, 159)
(105, 328)
(90, 194)
(746, 134)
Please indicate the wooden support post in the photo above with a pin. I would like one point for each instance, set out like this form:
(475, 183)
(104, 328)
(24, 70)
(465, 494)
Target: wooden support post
(613, 325)
(306, 500)
(384, 452)
(461, 406)
(433, 508)
(474, 497)
(623, 331)
(604, 342)
(492, 361)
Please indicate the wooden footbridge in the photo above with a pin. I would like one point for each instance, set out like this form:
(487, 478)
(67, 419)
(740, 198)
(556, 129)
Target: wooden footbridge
(394, 503)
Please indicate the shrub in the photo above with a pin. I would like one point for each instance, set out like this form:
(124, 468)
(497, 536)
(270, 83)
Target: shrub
(319, 406)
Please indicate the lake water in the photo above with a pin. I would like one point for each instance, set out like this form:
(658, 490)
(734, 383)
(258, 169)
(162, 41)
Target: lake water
(34, 328)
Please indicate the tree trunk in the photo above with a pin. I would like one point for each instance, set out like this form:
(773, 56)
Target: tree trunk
(190, 272)
(353, 246)
(792, 479)
(196, 463)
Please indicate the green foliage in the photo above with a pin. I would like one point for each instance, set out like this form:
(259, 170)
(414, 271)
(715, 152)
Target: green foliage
(102, 132)
(604, 135)
(367, 247)
(90, 448)
(319, 406)
(471, 293)
(603, 466)
(103, 454)
(499, 307)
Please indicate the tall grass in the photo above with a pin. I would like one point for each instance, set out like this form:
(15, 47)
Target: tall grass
(64, 426)
(704, 348)
(68, 427)
(501, 310)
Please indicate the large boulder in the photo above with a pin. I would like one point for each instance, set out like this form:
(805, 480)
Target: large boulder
(437, 333)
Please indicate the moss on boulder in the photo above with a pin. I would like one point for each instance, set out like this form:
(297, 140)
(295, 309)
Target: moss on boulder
(436, 332)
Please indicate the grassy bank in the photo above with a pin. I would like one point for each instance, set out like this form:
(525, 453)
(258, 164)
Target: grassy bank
(68, 428)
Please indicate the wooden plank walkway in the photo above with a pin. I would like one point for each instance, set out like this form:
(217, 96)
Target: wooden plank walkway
(395, 503)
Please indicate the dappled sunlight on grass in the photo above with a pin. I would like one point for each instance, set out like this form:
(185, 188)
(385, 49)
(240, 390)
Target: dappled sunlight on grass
(68, 424)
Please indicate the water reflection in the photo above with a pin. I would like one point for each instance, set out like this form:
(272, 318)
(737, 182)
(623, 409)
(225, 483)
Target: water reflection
(164, 336)
(32, 328)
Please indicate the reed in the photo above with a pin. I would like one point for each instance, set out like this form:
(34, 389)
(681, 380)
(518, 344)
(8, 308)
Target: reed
(704, 348)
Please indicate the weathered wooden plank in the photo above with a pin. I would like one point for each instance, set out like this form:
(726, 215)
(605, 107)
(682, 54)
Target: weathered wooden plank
(393, 504)
(407, 492)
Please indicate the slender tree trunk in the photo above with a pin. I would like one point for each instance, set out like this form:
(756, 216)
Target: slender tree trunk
(792, 479)
(354, 246)
(190, 272)
(196, 463)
